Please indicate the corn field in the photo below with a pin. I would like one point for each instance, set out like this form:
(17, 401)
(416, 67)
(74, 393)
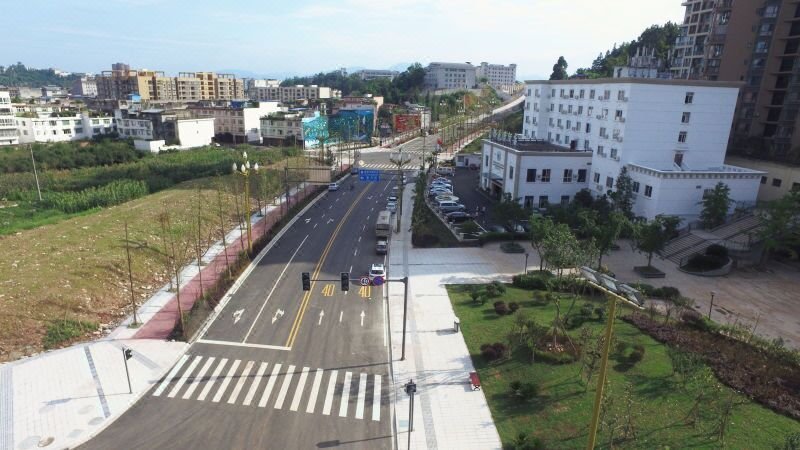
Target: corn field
(114, 193)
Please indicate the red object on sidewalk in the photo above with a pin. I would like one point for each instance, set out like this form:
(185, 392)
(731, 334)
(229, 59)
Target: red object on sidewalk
(160, 326)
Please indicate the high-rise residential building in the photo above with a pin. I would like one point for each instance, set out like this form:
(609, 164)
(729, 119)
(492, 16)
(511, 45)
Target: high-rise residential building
(755, 42)
(119, 83)
(84, 87)
(497, 75)
(670, 135)
(8, 127)
(292, 93)
(442, 75)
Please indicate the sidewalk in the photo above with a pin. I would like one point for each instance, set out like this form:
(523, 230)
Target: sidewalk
(62, 398)
(447, 412)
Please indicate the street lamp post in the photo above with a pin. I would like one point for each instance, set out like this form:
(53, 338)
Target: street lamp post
(713, 293)
(244, 170)
(526, 263)
(411, 389)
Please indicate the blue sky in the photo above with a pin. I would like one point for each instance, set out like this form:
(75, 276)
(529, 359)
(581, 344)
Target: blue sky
(271, 37)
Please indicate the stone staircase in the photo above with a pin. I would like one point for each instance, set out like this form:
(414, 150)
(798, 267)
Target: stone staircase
(696, 241)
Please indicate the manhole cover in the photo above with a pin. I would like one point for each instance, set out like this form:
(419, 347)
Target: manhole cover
(46, 441)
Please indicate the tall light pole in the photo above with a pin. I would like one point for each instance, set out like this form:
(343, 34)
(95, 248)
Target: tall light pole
(244, 170)
(35, 174)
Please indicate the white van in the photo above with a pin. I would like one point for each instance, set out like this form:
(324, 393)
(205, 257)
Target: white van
(446, 204)
(449, 171)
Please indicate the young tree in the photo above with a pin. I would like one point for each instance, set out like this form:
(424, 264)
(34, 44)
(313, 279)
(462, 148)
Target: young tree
(509, 211)
(559, 69)
(716, 205)
(652, 236)
(540, 228)
(781, 224)
(622, 196)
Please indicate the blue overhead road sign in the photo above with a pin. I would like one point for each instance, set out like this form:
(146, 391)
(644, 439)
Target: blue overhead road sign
(369, 175)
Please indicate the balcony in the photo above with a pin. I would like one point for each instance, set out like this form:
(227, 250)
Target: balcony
(619, 119)
(601, 117)
(618, 137)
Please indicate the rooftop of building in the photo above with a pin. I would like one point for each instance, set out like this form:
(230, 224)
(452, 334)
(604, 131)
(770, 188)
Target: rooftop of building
(658, 81)
(450, 64)
(531, 146)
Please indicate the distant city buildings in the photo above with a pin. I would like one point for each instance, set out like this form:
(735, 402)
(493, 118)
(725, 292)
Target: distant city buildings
(8, 126)
(238, 122)
(442, 75)
(60, 126)
(292, 93)
(374, 74)
(121, 82)
(159, 129)
(497, 75)
(282, 128)
(84, 87)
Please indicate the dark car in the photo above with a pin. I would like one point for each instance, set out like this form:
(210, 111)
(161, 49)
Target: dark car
(458, 216)
(496, 229)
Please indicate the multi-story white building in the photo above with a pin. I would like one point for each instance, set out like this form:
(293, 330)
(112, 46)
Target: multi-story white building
(537, 173)
(374, 74)
(157, 129)
(8, 126)
(292, 93)
(282, 128)
(62, 126)
(498, 75)
(442, 75)
(671, 135)
(84, 87)
(240, 120)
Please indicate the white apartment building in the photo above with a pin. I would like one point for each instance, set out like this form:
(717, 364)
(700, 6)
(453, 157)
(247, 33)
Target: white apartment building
(281, 128)
(242, 121)
(84, 87)
(8, 125)
(670, 134)
(60, 127)
(374, 74)
(498, 75)
(292, 93)
(535, 172)
(442, 75)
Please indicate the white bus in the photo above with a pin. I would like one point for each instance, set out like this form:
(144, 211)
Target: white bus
(383, 227)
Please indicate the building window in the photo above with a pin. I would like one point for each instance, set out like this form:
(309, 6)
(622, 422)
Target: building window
(689, 98)
(581, 94)
(685, 117)
(621, 95)
(795, 187)
(581, 175)
(528, 203)
(613, 153)
(567, 175)
(601, 150)
(682, 137)
(591, 94)
(530, 176)
(776, 182)
(609, 182)
(763, 180)
(564, 200)
(543, 202)
(486, 159)
(636, 186)
(511, 173)
(545, 175)
(678, 159)
(586, 144)
(648, 191)
(596, 177)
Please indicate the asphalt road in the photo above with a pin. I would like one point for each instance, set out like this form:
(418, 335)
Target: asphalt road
(281, 368)
(380, 159)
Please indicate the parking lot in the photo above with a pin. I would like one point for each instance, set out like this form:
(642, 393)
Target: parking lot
(465, 187)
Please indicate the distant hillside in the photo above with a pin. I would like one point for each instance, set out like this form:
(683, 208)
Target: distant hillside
(19, 75)
(658, 37)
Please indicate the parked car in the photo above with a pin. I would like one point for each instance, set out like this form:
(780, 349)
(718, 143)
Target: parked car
(458, 216)
(514, 228)
(392, 198)
(445, 197)
(474, 166)
(381, 247)
(377, 270)
(333, 187)
(392, 207)
(439, 191)
(445, 171)
(496, 229)
(448, 207)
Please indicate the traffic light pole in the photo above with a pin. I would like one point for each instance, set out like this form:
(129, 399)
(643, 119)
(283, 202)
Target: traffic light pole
(403, 280)
(127, 354)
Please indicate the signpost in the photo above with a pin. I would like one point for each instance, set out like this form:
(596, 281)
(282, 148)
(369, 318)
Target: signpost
(365, 281)
(369, 175)
(377, 281)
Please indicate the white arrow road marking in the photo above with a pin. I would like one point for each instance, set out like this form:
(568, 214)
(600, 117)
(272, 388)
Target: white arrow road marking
(362, 318)
(329, 221)
(315, 225)
(321, 315)
(278, 313)
(341, 313)
(308, 220)
(237, 315)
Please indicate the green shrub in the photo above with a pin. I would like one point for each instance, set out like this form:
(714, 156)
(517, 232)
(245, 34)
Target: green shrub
(501, 308)
(553, 358)
(499, 287)
(511, 247)
(646, 289)
(717, 250)
(667, 292)
(523, 441)
(493, 236)
(530, 282)
(705, 263)
(600, 312)
(114, 193)
(637, 354)
(524, 391)
(513, 307)
(61, 331)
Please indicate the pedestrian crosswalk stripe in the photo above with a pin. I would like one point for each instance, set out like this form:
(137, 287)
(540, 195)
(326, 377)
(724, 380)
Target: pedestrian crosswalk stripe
(170, 376)
(287, 380)
(376, 399)
(240, 384)
(184, 377)
(213, 380)
(270, 384)
(225, 382)
(256, 382)
(345, 400)
(197, 379)
(362, 392)
(312, 401)
(298, 393)
(326, 408)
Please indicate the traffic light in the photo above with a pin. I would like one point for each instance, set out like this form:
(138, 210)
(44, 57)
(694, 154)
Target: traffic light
(128, 353)
(345, 281)
(306, 281)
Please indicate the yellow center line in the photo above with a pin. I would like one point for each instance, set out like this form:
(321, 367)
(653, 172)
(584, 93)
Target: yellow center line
(304, 303)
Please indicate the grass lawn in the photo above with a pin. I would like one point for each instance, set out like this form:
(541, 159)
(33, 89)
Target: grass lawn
(561, 412)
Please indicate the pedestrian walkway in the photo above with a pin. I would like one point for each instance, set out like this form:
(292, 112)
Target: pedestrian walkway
(275, 385)
(447, 412)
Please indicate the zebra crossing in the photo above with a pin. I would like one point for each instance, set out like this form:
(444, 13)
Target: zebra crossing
(389, 166)
(235, 382)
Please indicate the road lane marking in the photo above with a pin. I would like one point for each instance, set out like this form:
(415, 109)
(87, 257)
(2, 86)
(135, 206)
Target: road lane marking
(362, 393)
(315, 225)
(226, 381)
(326, 408)
(345, 400)
(321, 315)
(341, 314)
(365, 291)
(312, 400)
(260, 310)
(355, 252)
(240, 344)
(359, 239)
(307, 297)
(270, 384)
(171, 375)
(376, 399)
(362, 317)
(298, 393)
(351, 270)
(287, 380)
(254, 387)
(214, 378)
(185, 376)
(240, 384)
(327, 290)
(196, 381)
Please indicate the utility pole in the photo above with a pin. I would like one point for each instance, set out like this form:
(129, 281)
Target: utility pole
(411, 389)
(35, 174)
(130, 276)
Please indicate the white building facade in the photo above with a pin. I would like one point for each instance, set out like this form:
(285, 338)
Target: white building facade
(62, 127)
(670, 134)
(442, 75)
(292, 93)
(498, 75)
(243, 122)
(281, 128)
(8, 125)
